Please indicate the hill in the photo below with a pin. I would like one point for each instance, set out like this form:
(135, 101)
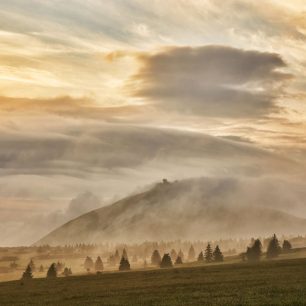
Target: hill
(206, 208)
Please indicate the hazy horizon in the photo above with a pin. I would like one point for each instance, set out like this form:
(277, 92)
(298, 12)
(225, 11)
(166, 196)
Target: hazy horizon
(103, 99)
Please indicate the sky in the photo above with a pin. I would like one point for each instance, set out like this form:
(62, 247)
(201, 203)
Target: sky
(102, 98)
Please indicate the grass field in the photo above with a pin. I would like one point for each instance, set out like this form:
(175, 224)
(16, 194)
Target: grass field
(281, 282)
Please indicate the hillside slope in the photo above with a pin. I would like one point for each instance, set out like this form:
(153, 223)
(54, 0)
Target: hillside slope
(205, 208)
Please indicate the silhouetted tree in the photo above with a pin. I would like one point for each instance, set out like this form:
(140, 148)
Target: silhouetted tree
(166, 262)
(191, 253)
(254, 252)
(88, 264)
(217, 254)
(99, 264)
(181, 254)
(208, 253)
(27, 274)
(32, 265)
(124, 254)
(52, 273)
(201, 257)
(156, 258)
(116, 257)
(179, 260)
(66, 272)
(124, 264)
(273, 248)
(287, 246)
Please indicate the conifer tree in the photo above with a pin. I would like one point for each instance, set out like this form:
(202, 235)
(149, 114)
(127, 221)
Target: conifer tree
(99, 264)
(179, 260)
(27, 274)
(287, 246)
(88, 264)
(156, 258)
(124, 254)
(254, 252)
(191, 253)
(201, 257)
(273, 248)
(52, 273)
(66, 272)
(166, 261)
(124, 264)
(181, 254)
(217, 254)
(208, 253)
(32, 265)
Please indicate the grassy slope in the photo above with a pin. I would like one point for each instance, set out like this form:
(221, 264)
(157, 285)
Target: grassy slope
(267, 283)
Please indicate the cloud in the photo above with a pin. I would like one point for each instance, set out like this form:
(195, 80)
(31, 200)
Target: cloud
(216, 81)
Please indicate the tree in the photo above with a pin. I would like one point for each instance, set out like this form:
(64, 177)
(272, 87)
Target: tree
(191, 253)
(88, 264)
(32, 265)
(99, 264)
(179, 260)
(116, 257)
(287, 246)
(124, 264)
(52, 273)
(217, 254)
(273, 248)
(27, 274)
(124, 254)
(66, 272)
(173, 255)
(208, 253)
(41, 269)
(156, 258)
(181, 254)
(201, 257)
(254, 252)
(166, 262)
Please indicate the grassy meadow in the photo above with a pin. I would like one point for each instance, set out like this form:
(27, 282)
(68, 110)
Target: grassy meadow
(278, 282)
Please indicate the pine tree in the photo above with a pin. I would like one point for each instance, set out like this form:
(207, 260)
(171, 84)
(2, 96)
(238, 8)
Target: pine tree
(27, 274)
(124, 264)
(88, 264)
(166, 262)
(191, 253)
(179, 260)
(124, 254)
(99, 264)
(273, 248)
(52, 273)
(208, 253)
(201, 257)
(156, 258)
(287, 246)
(254, 252)
(217, 254)
(181, 254)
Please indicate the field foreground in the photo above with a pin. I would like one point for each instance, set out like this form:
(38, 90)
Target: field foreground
(281, 282)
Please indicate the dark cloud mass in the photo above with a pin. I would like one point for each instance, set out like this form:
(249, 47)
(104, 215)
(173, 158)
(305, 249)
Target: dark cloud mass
(212, 81)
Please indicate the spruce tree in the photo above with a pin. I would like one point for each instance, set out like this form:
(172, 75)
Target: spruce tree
(201, 257)
(191, 253)
(166, 262)
(27, 274)
(124, 254)
(99, 264)
(273, 248)
(156, 258)
(181, 254)
(254, 252)
(179, 260)
(88, 264)
(52, 273)
(124, 264)
(217, 254)
(287, 246)
(208, 253)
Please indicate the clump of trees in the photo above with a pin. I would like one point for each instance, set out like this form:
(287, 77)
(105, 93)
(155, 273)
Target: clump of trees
(52, 272)
(67, 272)
(166, 261)
(156, 258)
(287, 246)
(124, 264)
(254, 252)
(178, 260)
